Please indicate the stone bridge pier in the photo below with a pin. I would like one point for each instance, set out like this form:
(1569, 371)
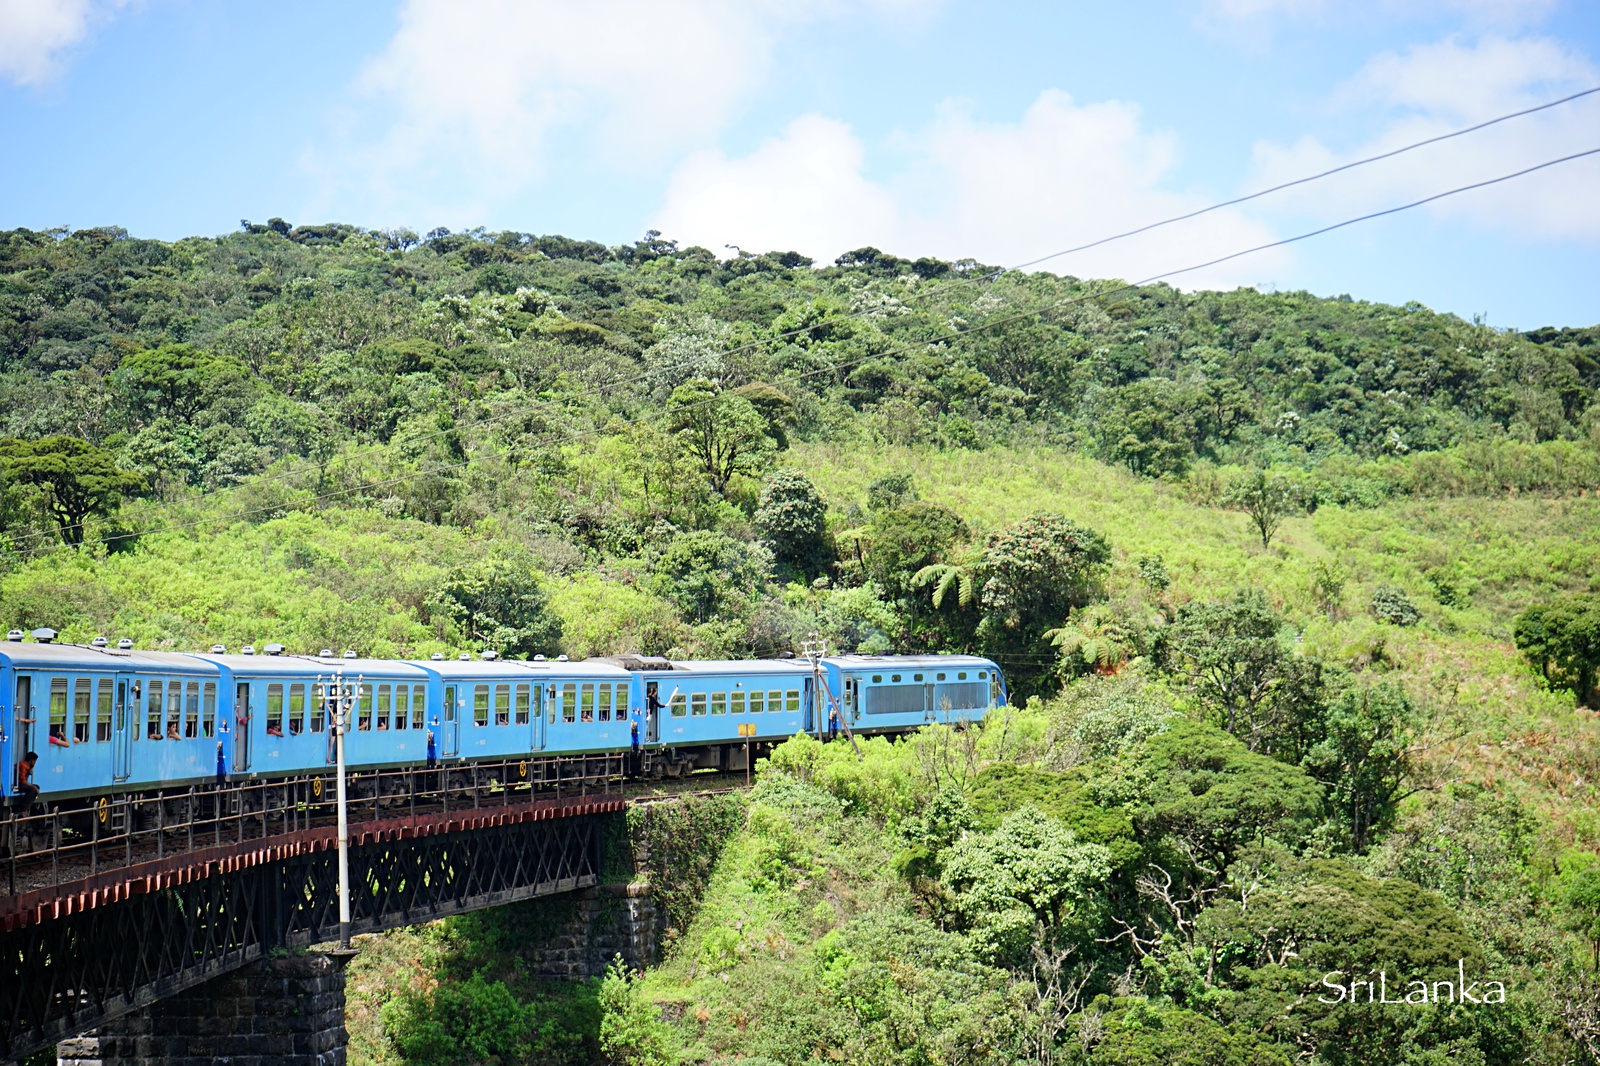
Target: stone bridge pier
(270, 1013)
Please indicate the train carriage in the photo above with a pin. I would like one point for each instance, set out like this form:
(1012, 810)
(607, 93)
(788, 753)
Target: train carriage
(895, 693)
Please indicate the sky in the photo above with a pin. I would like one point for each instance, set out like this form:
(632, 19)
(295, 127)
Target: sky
(999, 131)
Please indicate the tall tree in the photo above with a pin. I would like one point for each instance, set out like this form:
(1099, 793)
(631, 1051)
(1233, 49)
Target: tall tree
(728, 433)
(1562, 639)
(1267, 498)
(76, 478)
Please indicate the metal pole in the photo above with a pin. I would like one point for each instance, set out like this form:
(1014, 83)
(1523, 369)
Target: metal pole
(344, 825)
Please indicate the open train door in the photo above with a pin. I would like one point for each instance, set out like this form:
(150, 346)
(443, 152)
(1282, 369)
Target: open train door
(243, 718)
(450, 741)
(122, 729)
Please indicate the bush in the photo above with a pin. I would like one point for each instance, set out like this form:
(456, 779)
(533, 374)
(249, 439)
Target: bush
(1390, 604)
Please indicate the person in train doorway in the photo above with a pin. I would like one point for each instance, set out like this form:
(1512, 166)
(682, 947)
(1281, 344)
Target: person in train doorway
(833, 723)
(222, 768)
(433, 748)
(27, 792)
(633, 737)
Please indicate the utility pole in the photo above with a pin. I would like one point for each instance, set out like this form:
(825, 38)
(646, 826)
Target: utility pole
(814, 649)
(339, 706)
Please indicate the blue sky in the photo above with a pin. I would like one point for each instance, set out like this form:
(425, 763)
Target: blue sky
(999, 131)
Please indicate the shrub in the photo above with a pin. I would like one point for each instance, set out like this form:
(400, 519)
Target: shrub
(1391, 604)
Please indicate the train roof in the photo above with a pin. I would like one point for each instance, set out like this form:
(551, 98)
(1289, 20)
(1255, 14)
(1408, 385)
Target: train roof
(737, 666)
(891, 662)
(552, 669)
(42, 656)
(312, 665)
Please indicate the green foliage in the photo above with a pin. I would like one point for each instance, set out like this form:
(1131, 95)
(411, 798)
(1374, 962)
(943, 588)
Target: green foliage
(1364, 759)
(631, 1030)
(76, 479)
(1230, 655)
(1029, 878)
(726, 432)
(707, 572)
(1391, 604)
(498, 604)
(1562, 639)
(483, 1021)
(1267, 498)
(793, 520)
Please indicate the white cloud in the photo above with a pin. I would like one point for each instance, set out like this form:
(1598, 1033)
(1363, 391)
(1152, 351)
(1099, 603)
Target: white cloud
(1003, 193)
(33, 33)
(474, 92)
(1478, 11)
(1443, 86)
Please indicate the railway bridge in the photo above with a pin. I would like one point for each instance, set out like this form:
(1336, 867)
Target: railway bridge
(115, 922)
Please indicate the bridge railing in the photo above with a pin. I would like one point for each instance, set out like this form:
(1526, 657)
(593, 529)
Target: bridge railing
(71, 840)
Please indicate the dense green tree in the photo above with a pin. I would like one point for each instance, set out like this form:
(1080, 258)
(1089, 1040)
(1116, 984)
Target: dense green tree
(1029, 878)
(178, 380)
(707, 572)
(793, 519)
(725, 432)
(76, 478)
(1562, 639)
(1364, 758)
(498, 604)
(1232, 657)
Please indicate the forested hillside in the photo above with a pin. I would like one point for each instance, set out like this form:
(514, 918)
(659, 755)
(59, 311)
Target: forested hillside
(1302, 592)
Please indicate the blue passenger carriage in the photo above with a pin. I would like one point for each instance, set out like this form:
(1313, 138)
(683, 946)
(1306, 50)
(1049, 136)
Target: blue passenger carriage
(894, 693)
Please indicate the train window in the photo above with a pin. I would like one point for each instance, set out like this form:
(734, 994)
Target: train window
(480, 705)
(916, 677)
(569, 702)
(622, 701)
(102, 711)
(385, 705)
(524, 704)
(757, 698)
(191, 707)
(502, 705)
(939, 677)
(275, 709)
(81, 710)
(793, 703)
(297, 710)
(208, 710)
(604, 713)
(719, 703)
(587, 705)
(153, 723)
(774, 701)
(983, 675)
(895, 678)
(402, 706)
(58, 710)
(697, 703)
(174, 710)
(24, 712)
(877, 679)
(419, 706)
(736, 702)
(319, 708)
(680, 705)
(364, 708)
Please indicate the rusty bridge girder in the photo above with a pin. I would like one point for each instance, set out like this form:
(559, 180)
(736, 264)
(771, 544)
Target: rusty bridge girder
(77, 955)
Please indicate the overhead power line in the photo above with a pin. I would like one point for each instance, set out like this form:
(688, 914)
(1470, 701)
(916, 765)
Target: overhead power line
(988, 324)
(1309, 178)
(945, 289)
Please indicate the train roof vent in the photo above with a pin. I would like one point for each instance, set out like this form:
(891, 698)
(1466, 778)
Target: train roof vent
(349, 653)
(44, 635)
(538, 658)
(248, 649)
(273, 649)
(219, 649)
(124, 644)
(99, 642)
(561, 658)
(488, 656)
(437, 656)
(15, 634)
(466, 657)
(326, 653)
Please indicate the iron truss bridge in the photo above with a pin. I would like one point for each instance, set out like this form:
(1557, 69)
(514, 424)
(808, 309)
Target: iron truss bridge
(202, 882)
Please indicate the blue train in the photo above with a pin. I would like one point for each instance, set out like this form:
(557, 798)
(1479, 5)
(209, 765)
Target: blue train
(115, 720)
